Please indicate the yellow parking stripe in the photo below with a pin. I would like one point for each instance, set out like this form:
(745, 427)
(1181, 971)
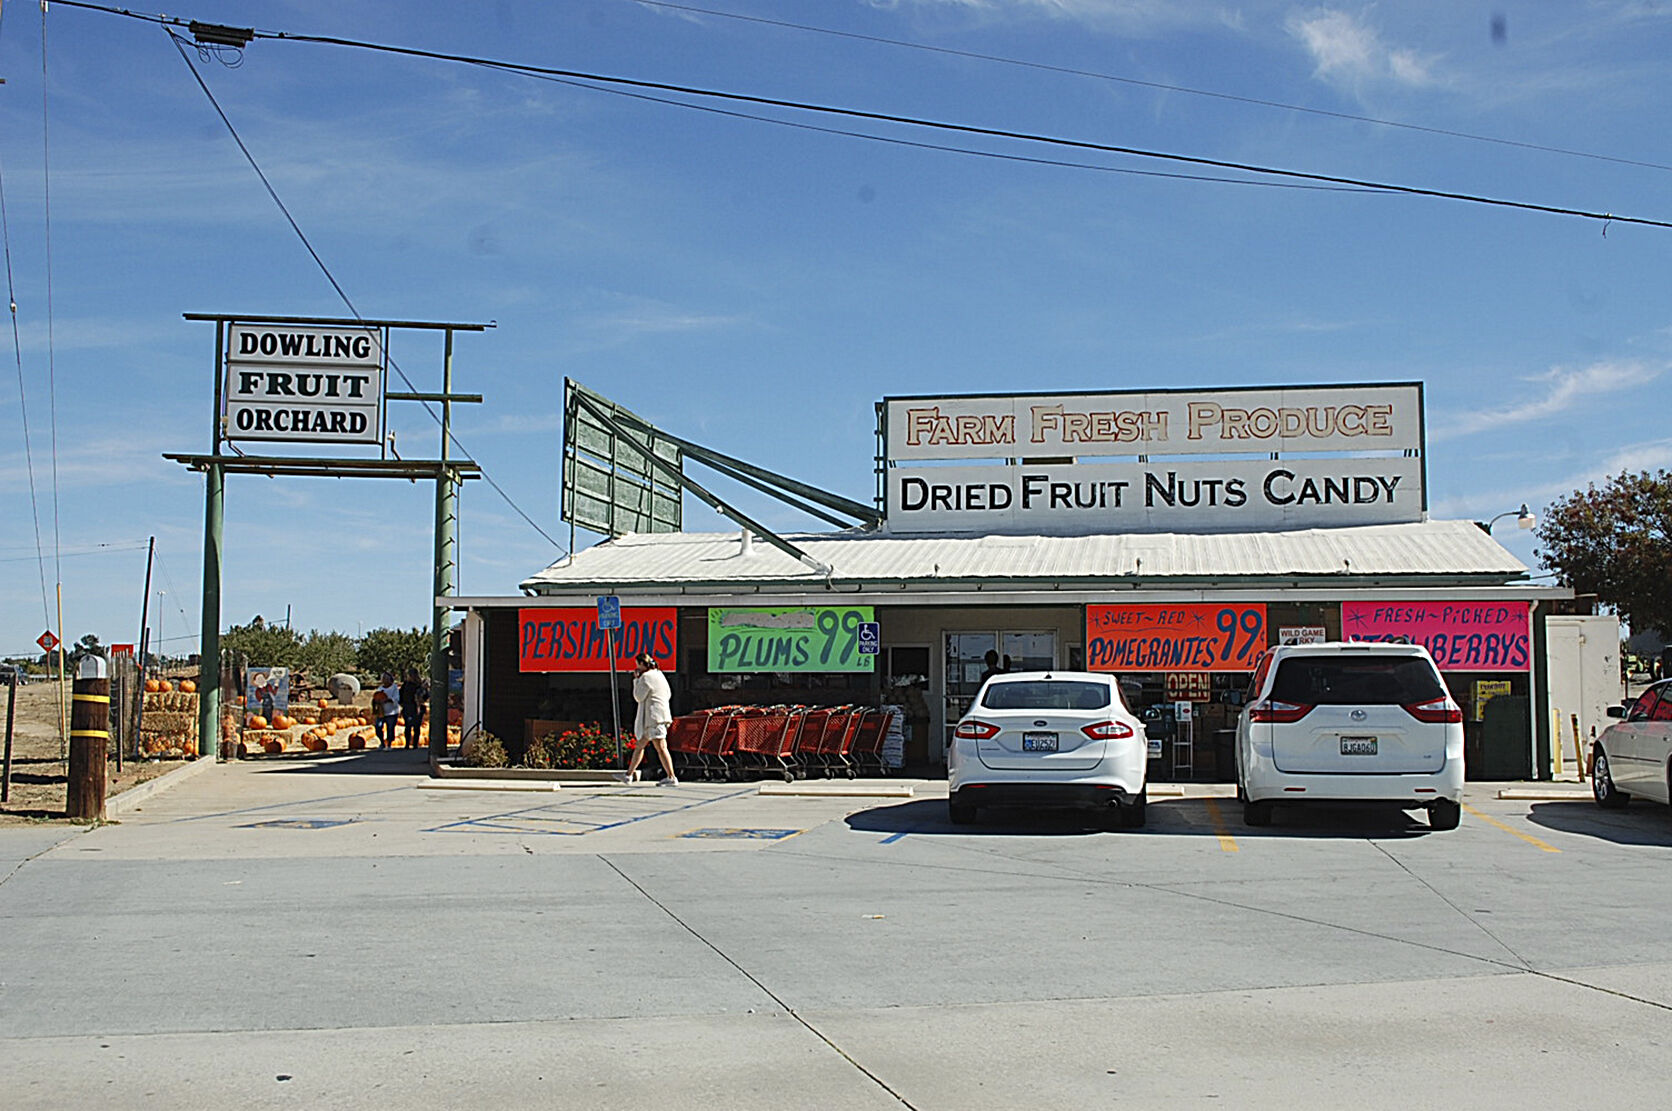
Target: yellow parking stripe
(1533, 841)
(1226, 841)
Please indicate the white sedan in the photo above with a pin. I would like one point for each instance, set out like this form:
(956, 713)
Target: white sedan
(1634, 755)
(1042, 738)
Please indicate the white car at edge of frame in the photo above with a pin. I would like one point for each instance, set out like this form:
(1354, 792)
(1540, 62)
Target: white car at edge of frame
(1036, 739)
(1353, 722)
(1633, 756)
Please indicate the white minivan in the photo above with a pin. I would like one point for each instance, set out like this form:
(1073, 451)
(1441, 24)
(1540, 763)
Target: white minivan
(1360, 723)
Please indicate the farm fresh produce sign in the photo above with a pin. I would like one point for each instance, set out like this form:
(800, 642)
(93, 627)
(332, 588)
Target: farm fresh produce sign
(570, 639)
(796, 638)
(1185, 637)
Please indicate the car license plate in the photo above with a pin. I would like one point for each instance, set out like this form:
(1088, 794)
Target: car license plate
(1358, 746)
(1039, 742)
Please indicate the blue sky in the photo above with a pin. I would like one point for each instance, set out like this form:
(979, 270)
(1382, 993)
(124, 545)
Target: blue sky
(756, 287)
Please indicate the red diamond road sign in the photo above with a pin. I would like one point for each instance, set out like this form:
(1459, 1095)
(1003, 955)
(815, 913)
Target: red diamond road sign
(47, 641)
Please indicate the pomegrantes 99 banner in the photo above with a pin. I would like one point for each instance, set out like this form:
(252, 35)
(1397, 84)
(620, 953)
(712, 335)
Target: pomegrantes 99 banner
(1191, 636)
(1461, 636)
(570, 639)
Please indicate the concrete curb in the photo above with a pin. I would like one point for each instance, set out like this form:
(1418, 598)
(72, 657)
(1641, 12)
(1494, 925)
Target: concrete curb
(1534, 794)
(545, 786)
(847, 790)
(128, 801)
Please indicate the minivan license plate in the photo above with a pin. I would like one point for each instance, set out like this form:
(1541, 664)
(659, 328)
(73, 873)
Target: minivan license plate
(1039, 742)
(1358, 746)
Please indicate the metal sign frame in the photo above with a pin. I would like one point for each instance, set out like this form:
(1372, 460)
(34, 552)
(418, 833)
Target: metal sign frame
(447, 472)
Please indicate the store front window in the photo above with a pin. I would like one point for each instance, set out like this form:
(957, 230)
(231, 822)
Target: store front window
(967, 660)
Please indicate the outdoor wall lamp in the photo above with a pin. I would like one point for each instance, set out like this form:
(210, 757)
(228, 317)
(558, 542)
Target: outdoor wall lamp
(1524, 518)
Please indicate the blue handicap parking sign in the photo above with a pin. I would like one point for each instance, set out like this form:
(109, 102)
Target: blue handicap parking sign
(609, 612)
(870, 638)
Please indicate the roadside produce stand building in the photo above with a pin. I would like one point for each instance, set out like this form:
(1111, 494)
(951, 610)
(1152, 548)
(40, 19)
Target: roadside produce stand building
(1132, 536)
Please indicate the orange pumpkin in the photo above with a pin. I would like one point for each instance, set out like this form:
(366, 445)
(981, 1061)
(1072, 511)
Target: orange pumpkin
(255, 721)
(151, 686)
(189, 686)
(356, 743)
(310, 721)
(164, 685)
(272, 745)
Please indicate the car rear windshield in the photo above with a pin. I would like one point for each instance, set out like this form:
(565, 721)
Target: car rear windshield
(1046, 694)
(1368, 680)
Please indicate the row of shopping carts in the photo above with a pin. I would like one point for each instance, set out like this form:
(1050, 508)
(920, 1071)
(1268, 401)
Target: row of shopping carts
(735, 742)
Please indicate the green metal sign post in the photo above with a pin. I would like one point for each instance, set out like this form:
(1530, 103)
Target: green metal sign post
(447, 472)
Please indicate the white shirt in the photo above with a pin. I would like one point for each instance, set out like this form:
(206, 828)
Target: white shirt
(391, 699)
(651, 692)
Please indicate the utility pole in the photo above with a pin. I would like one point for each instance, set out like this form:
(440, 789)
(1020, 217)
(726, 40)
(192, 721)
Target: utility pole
(446, 555)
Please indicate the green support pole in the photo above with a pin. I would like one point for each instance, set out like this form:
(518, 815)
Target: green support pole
(446, 532)
(209, 632)
(209, 659)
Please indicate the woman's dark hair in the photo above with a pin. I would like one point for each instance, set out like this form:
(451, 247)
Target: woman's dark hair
(646, 660)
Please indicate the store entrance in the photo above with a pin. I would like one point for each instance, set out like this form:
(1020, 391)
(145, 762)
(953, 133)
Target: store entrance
(967, 661)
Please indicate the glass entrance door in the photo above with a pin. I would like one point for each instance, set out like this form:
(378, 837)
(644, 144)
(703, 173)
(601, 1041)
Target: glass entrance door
(966, 662)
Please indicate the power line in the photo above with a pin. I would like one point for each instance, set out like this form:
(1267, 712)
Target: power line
(180, 45)
(1161, 86)
(911, 121)
(22, 392)
(51, 350)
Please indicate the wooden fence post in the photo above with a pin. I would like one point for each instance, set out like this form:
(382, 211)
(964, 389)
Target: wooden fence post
(89, 740)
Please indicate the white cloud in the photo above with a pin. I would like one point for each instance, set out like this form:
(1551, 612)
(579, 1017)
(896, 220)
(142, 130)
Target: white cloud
(1565, 389)
(1348, 50)
(1650, 455)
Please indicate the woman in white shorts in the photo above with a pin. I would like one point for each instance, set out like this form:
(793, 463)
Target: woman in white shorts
(650, 691)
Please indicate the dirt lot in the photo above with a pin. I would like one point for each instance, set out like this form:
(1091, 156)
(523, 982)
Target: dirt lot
(39, 777)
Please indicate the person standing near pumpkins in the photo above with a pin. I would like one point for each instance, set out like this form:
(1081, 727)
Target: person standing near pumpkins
(650, 691)
(387, 702)
(414, 694)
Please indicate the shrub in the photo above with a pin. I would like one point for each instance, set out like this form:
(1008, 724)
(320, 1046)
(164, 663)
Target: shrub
(487, 751)
(589, 746)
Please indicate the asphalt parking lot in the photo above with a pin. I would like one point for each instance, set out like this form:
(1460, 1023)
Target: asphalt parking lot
(343, 933)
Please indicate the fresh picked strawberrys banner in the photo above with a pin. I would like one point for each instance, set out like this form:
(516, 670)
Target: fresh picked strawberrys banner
(1190, 636)
(1461, 636)
(570, 639)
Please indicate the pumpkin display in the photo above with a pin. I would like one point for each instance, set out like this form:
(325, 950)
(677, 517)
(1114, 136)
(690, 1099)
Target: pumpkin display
(188, 686)
(151, 686)
(255, 721)
(164, 685)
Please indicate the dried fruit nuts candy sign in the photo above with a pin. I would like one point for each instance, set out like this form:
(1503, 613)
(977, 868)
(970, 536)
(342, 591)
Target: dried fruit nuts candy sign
(1183, 637)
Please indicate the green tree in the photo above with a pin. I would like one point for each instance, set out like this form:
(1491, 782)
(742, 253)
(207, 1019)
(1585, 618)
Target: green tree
(264, 645)
(395, 650)
(1615, 541)
(322, 655)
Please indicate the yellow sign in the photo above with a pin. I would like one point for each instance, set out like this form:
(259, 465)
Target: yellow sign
(1485, 691)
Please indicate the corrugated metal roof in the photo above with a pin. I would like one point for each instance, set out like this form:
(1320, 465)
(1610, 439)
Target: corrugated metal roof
(1441, 550)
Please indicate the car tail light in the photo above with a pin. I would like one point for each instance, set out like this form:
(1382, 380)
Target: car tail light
(1439, 711)
(1107, 731)
(1282, 713)
(976, 730)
